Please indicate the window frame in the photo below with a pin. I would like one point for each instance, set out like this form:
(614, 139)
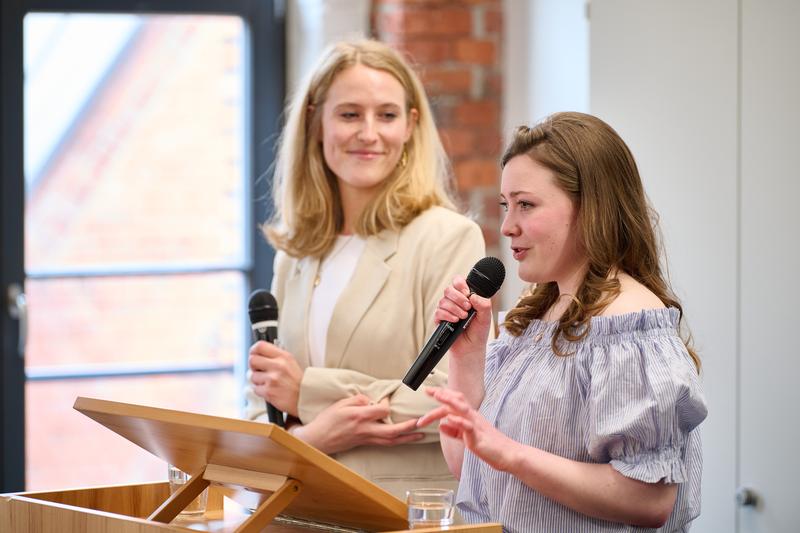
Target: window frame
(264, 97)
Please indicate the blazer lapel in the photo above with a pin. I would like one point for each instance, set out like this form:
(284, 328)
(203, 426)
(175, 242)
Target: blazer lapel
(368, 279)
(300, 286)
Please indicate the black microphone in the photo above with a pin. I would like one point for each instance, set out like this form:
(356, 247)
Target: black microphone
(484, 280)
(263, 311)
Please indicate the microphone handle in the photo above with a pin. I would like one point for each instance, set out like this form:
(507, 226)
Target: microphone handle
(269, 333)
(441, 341)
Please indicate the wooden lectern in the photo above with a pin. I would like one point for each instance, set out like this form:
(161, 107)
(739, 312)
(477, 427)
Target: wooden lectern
(260, 466)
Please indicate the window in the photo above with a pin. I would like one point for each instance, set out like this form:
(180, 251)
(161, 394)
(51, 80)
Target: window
(146, 139)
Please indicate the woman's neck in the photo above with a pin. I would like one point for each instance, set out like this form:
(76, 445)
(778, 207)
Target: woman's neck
(354, 202)
(568, 287)
(571, 281)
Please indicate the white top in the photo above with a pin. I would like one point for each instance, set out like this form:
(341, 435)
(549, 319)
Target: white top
(334, 274)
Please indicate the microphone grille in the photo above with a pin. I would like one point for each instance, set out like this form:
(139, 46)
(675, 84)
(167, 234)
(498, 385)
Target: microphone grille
(262, 306)
(486, 276)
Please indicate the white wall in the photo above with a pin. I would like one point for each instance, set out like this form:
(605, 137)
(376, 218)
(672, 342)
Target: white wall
(311, 25)
(546, 69)
(664, 75)
(706, 93)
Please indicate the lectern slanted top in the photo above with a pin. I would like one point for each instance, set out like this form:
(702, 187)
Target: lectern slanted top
(253, 455)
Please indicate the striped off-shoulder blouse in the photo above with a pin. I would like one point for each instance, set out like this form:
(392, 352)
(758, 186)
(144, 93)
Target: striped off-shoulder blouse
(628, 395)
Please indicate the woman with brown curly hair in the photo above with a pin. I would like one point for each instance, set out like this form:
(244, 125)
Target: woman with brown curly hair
(581, 416)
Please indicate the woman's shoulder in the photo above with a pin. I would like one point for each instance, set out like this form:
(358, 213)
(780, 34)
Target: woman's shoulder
(442, 221)
(633, 297)
(283, 264)
(439, 212)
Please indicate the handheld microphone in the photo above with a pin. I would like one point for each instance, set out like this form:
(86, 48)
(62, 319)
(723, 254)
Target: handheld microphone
(484, 280)
(263, 311)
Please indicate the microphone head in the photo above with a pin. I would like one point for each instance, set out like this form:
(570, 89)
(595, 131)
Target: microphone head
(262, 306)
(486, 276)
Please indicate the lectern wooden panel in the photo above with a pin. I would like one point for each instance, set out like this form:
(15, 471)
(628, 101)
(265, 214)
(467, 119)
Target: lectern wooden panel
(260, 463)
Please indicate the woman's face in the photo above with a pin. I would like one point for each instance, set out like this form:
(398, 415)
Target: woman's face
(364, 127)
(541, 220)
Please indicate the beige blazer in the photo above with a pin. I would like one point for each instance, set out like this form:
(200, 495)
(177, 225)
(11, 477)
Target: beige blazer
(380, 323)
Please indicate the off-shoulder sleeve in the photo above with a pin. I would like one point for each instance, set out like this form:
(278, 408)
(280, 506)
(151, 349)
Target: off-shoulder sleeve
(644, 400)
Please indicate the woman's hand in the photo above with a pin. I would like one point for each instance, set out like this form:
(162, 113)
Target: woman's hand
(356, 421)
(457, 419)
(276, 376)
(454, 306)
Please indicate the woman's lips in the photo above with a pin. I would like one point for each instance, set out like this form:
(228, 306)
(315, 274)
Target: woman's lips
(519, 253)
(365, 154)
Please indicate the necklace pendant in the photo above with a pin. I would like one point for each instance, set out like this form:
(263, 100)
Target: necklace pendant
(316, 280)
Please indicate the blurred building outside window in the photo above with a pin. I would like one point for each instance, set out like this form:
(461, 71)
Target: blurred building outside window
(136, 238)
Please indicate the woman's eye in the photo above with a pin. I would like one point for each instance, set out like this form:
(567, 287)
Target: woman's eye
(504, 206)
(389, 116)
(524, 205)
(349, 115)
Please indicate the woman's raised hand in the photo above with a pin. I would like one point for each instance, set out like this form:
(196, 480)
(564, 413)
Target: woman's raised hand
(457, 419)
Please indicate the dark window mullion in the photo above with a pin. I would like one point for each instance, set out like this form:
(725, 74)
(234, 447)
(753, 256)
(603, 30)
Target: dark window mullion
(121, 370)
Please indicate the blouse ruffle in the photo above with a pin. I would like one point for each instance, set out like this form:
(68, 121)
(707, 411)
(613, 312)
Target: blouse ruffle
(635, 381)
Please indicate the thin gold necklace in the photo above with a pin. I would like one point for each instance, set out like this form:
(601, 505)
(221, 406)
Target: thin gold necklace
(330, 257)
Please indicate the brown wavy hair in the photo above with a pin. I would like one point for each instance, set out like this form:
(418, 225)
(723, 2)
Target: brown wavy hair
(307, 213)
(618, 228)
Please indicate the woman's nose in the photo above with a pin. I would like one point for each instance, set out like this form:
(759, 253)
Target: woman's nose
(509, 228)
(367, 132)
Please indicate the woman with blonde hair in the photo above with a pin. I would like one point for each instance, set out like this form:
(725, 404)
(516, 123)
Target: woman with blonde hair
(581, 416)
(367, 237)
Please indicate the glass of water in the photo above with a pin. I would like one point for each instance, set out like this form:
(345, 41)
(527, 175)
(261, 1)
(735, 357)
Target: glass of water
(177, 478)
(429, 508)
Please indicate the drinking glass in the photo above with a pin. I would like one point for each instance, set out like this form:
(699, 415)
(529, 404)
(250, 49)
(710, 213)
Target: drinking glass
(429, 508)
(178, 478)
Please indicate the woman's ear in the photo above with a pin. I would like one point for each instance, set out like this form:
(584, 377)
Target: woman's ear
(413, 117)
(310, 109)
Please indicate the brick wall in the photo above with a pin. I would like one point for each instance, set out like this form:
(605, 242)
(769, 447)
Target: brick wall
(456, 48)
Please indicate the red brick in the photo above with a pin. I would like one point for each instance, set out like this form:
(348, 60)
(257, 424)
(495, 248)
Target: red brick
(491, 236)
(481, 52)
(478, 113)
(458, 142)
(493, 21)
(429, 22)
(427, 52)
(491, 205)
(488, 141)
(443, 111)
(472, 173)
(447, 80)
(493, 85)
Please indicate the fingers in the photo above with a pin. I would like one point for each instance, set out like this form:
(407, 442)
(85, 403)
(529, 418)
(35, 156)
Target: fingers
(402, 439)
(355, 400)
(374, 411)
(458, 300)
(432, 416)
(280, 364)
(264, 355)
(460, 283)
(480, 304)
(382, 434)
(454, 303)
(451, 398)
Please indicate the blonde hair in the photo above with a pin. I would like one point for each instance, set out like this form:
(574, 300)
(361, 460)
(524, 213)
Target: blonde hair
(618, 228)
(307, 213)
